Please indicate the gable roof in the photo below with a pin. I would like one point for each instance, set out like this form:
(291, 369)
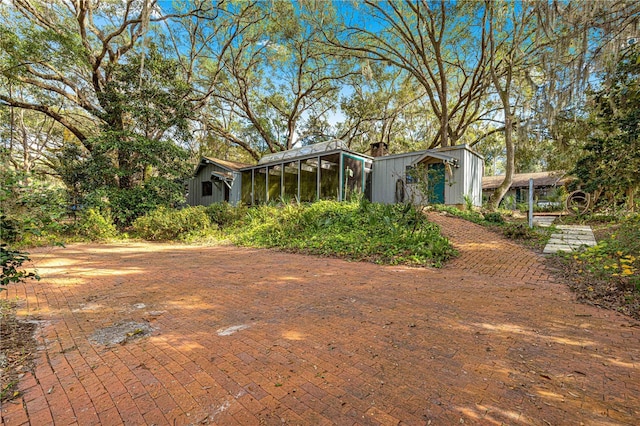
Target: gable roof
(231, 166)
(521, 180)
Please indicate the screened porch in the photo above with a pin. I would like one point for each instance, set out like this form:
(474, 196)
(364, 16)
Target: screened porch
(323, 171)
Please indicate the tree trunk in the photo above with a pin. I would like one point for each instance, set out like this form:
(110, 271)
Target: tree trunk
(501, 191)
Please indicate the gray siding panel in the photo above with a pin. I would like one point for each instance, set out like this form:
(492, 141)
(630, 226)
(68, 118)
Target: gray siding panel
(195, 197)
(386, 171)
(464, 180)
(236, 189)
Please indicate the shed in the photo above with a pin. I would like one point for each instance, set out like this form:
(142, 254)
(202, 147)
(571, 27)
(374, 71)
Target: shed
(456, 172)
(543, 182)
(215, 181)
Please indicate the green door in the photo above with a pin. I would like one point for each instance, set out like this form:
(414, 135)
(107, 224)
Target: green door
(436, 183)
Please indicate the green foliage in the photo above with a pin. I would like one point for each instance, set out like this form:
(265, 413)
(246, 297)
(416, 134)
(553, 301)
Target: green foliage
(30, 207)
(148, 174)
(468, 202)
(224, 214)
(94, 225)
(128, 204)
(470, 215)
(493, 217)
(166, 224)
(354, 230)
(509, 202)
(611, 157)
(12, 271)
(617, 255)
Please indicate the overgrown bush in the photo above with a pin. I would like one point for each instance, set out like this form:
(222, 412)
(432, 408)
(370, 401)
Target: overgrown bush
(94, 225)
(520, 231)
(166, 224)
(126, 205)
(30, 205)
(224, 214)
(493, 217)
(355, 230)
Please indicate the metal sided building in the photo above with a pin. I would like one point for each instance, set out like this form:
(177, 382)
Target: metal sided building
(215, 181)
(330, 170)
(456, 172)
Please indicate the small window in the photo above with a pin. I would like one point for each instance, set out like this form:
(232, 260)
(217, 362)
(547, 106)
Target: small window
(410, 174)
(207, 188)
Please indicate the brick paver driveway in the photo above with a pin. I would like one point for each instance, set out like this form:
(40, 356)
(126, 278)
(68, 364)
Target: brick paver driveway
(239, 336)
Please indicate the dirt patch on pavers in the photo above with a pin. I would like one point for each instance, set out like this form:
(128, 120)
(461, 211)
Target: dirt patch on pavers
(244, 336)
(120, 334)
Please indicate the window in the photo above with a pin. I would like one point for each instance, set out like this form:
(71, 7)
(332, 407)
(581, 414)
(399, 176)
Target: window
(246, 187)
(410, 174)
(207, 188)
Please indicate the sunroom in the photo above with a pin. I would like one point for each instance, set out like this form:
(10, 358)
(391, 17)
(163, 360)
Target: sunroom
(322, 171)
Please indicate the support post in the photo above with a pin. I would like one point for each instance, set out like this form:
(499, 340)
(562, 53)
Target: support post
(530, 203)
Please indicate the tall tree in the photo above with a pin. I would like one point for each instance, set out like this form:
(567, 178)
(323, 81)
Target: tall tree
(540, 60)
(511, 45)
(115, 75)
(611, 157)
(274, 75)
(441, 44)
(385, 104)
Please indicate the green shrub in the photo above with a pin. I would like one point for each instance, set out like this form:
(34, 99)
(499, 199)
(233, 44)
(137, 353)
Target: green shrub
(95, 225)
(166, 224)
(30, 205)
(509, 202)
(12, 271)
(520, 231)
(493, 217)
(618, 255)
(224, 214)
(470, 215)
(356, 230)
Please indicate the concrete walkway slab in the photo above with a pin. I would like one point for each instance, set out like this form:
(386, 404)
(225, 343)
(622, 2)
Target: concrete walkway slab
(544, 221)
(568, 238)
(248, 337)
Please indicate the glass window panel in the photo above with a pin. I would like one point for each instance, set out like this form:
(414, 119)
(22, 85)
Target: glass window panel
(275, 182)
(207, 188)
(260, 186)
(352, 173)
(330, 177)
(308, 180)
(246, 187)
(291, 180)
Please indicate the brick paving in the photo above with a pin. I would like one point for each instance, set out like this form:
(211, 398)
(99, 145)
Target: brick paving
(249, 337)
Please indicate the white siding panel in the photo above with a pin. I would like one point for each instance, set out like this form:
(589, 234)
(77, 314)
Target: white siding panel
(386, 171)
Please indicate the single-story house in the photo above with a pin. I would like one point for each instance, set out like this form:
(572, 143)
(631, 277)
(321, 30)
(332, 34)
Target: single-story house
(543, 183)
(330, 170)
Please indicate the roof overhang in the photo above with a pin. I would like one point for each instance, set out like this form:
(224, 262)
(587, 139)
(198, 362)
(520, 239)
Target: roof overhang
(221, 176)
(447, 159)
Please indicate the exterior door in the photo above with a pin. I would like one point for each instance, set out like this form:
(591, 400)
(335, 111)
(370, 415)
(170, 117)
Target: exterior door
(436, 183)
